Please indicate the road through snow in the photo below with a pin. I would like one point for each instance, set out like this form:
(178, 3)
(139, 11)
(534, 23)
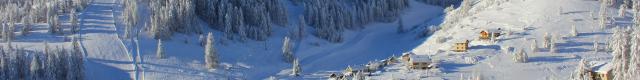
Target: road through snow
(106, 58)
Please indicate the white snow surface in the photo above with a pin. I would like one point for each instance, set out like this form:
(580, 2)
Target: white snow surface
(526, 20)
(112, 58)
(106, 57)
(261, 59)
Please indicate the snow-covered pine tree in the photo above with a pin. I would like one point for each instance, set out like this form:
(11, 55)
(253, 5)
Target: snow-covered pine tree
(168, 17)
(430, 30)
(46, 49)
(620, 54)
(449, 9)
(130, 17)
(52, 19)
(634, 5)
(160, 50)
(636, 10)
(3, 26)
(11, 68)
(27, 24)
(58, 65)
(582, 72)
(521, 56)
(552, 46)
(23, 63)
(240, 24)
(634, 55)
(525, 57)
(185, 15)
(636, 19)
(574, 31)
(400, 26)
(610, 3)
(4, 62)
(546, 41)
(50, 64)
(75, 27)
(277, 11)
(62, 62)
(359, 76)
(79, 4)
(75, 55)
(36, 68)
(622, 11)
(596, 46)
(228, 29)
(296, 70)
(465, 7)
(202, 40)
(286, 50)
(534, 46)
(8, 32)
(77, 60)
(76, 46)
(159, 23)
(211, 56)
(328, 17)
(603, 14)
(331, 17)
(246, 18)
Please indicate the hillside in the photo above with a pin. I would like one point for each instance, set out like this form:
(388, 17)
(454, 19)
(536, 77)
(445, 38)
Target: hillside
(522, 22)
(313, 39)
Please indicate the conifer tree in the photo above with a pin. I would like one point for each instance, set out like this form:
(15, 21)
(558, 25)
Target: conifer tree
(27, 24)
(286, 50)
(582, 71)
(574, 31)
(160, 50)
(295, 71)
(36, 70)
(534, 46)
(75, 27)
(210, 53)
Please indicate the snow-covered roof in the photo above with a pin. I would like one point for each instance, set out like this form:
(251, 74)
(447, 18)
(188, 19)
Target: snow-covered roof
(408, 53)
(420, 58)
(461, 40)
(602, 67)
(493, 30)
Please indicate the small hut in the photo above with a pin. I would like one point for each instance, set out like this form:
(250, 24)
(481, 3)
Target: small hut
(419, 62)
(602, 72)
(373, 66)
(461, 47)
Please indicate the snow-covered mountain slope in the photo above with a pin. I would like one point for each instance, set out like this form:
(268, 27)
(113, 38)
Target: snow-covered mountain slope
(109, 56)
(105, 56)
(523, 21)
(262, 59)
